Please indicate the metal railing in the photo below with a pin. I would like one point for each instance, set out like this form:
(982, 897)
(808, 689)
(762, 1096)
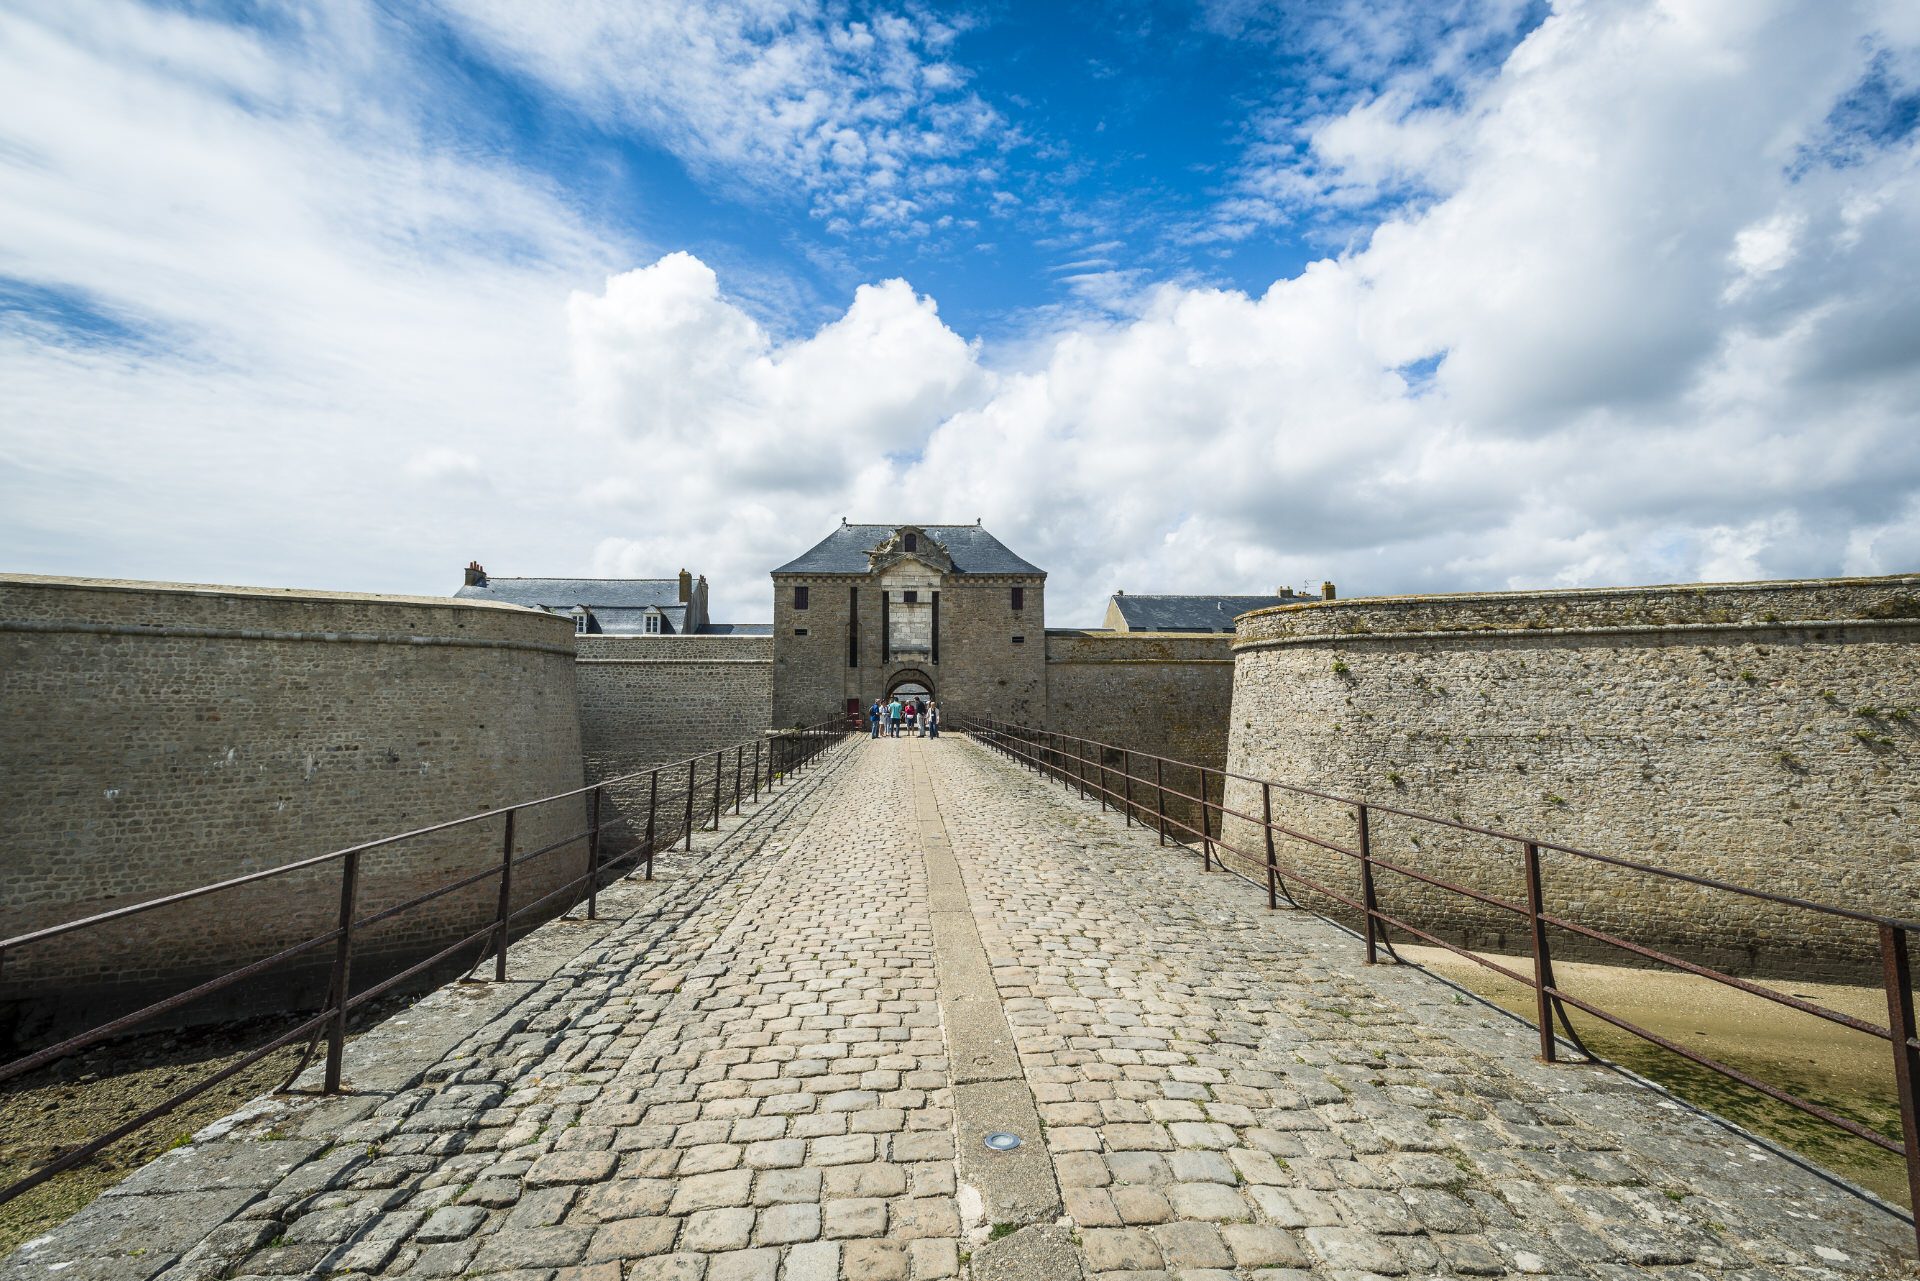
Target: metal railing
(1107, 772)
(754, 763)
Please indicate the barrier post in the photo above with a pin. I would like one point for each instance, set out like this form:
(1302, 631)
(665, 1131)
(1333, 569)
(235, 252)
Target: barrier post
(1368, 904)
(343, 972)
(693, 784)
(653, 809)
(1542, 959)
(1896, 970)
(1160, 797)
(1266, 825)
(504, 919)
(593, 853)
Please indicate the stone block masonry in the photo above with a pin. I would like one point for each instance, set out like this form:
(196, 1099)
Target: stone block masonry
(762, 1065)
(646, 700)
(1765, 734)
(163, 736)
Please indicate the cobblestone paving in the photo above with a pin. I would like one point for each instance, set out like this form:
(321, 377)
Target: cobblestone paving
(743, 1075)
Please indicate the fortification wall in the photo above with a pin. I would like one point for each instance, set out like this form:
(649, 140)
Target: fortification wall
(1165, 693)
(162, 736)
(646, 700)
(1760, 733)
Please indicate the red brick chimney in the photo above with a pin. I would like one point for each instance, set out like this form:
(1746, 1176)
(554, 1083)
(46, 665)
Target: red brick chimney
(476, 576)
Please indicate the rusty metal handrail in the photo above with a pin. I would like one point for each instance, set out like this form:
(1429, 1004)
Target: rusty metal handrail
(1046, 752)
(772, 759)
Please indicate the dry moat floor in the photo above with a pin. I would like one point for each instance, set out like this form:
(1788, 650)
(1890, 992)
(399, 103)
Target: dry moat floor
(780, 1060)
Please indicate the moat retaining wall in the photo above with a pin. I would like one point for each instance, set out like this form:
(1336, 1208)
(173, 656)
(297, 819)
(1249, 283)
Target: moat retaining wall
(647, 700)
(1760, 733)
(162, 736)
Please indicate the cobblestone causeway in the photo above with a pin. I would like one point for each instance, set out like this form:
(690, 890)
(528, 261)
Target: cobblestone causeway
(742, 1072)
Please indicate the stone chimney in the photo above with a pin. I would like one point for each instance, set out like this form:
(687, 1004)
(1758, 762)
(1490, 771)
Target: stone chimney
(1326, 591)
(686, 587)
(476, 576)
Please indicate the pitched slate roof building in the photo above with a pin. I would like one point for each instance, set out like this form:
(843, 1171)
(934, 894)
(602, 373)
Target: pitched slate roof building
(872, 608)
(1127, 613)
(612, 606)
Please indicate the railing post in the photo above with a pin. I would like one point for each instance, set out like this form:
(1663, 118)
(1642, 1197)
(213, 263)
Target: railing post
(1266, 825)
(1206, 828)
(1101, 787)
(739, 757)
(1895, 969)
(693, 785)
(1368, 903)
(342, 972)
(1126, 782)
(1542, 959)
(756, 771)
(1160, 797)
(653, 809)
(719, 761)
(1079, 765)
(593, 853)
(505, 918)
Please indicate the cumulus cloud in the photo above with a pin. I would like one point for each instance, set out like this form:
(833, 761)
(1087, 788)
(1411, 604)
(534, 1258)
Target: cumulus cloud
(867, 116)
(1652, 315)
(1658, 345)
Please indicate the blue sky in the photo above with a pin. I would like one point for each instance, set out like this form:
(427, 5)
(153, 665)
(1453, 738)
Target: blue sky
(1214, 296)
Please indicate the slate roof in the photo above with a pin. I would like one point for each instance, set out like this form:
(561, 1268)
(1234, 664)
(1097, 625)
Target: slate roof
(844, 551)
(737, 629)
(618, 604)
(1193, 613)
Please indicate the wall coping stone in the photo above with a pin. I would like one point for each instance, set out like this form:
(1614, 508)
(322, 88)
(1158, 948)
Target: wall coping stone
(1793, 605)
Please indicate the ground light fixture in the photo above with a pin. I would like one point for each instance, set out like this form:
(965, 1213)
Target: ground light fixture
(1001, 1141)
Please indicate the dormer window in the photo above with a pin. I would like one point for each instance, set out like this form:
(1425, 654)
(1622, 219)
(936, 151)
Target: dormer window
(653, 624)
(582, 620)
(913, 542)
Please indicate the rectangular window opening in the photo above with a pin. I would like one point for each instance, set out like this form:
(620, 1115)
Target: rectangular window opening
(799, 598)
(799, 631)
(909, 598)
(1019, 640)
(1019, 599)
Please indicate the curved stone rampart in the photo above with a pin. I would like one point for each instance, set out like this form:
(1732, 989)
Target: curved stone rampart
(1760, 733)
(161, 736)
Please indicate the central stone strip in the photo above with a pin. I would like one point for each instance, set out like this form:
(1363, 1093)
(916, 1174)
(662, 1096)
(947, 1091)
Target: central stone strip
(990, 1092)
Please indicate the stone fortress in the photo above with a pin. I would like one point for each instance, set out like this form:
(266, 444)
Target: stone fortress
(1763, 732)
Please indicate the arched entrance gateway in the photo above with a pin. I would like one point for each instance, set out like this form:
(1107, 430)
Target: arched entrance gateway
(910, 683)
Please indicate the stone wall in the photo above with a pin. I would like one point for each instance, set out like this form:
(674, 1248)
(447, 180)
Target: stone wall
(1759, 733)
(981, 669)
(1165, 693)
(158, 737)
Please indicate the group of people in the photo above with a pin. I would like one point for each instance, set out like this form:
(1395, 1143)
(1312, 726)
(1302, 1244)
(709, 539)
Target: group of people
(920, 716)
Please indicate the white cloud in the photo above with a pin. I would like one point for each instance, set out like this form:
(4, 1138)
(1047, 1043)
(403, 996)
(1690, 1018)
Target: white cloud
(1607, 409)
(1669, 292)
(864, 115)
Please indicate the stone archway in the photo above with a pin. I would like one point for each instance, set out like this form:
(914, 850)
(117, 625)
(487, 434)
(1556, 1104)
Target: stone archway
(910, 681)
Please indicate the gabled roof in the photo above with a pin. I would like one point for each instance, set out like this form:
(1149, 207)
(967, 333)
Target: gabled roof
(844, 551)
(1192, 613)
(564, 593)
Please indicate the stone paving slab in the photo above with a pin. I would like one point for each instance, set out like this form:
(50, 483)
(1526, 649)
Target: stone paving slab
(743, 1072)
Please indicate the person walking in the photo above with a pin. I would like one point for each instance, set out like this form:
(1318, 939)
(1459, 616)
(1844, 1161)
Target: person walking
(893, 717)
(932, 719)
(873, 718)
(910, 713)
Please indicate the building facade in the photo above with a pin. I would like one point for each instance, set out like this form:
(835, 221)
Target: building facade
(872, 608)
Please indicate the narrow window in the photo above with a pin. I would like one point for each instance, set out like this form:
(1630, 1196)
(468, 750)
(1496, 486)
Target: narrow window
(853, 627)
(799, 598)
(580, 622)
(1019, 599)
(653, 624)
(908, 598)
(913, 542)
